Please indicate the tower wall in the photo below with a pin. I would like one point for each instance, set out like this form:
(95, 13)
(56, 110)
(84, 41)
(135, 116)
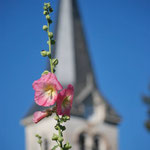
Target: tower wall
(107, 133)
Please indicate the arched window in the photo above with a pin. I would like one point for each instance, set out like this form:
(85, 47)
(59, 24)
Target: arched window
(82, 137)
(96, 142)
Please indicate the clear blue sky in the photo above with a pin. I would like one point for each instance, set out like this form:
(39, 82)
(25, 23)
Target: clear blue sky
(118, 34)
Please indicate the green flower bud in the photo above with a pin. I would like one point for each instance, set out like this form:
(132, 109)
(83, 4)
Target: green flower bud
(60, 139)
(56, 118)
(53, 42)
(38, 136)
(48, 5)
(44, 53)
(50, 21)
(67, 118)
(67, 145)
(61, 121)
(50, 34)
(48, 17)
(45, 12)
(39, 141)
(55, 62)
(56, 127)
(45, 8)
(45, 27)
(45, 72)
(62, 127)
(51, 9)
(48, 54)
(45, 4)
(55, 137)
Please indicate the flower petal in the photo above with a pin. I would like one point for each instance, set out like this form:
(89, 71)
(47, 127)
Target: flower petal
(55, 81)
(39, 115)
(46, 89)
(64, 102)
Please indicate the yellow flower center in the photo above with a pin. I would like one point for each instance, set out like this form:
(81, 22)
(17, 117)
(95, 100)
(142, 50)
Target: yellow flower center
(50, 91)
(66, 101)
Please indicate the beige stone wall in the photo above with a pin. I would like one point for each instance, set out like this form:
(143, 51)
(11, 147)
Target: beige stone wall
(108, 133)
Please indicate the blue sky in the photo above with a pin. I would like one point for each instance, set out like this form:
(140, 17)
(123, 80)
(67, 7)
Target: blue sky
(118, 35)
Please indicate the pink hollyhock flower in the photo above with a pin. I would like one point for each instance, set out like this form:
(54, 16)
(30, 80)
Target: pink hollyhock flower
(39, 115)
(64, 102)
(46, 89)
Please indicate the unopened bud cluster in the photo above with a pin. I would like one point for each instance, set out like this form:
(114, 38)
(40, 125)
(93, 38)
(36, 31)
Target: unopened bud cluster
(39, 139)
(47, 10)
(59, 138)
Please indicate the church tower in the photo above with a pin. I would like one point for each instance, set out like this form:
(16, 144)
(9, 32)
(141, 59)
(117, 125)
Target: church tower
(93, 124)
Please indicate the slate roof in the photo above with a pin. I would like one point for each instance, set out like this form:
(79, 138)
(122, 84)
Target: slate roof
(83, 67)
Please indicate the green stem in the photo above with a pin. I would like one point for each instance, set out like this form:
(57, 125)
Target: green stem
(50, 55)
(60, 133)
(41, 146)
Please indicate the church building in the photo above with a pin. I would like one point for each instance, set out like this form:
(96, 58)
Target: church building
(94, 123)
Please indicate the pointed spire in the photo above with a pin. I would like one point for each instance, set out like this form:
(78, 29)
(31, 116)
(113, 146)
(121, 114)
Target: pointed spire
(65, 44)
(71, 47)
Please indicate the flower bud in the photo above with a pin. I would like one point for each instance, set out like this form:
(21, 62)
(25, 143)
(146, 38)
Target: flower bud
(55, 137)
(48, 5)
(45, 72)
(45, 4)
(67, 145)
(50, 34)
(45, 12)
(53, 42)
(39, 141)
(56, 127)
(62, 127)
(55, 62)
(67, 118)
(45, 27)
(44, 53)
(48, 54)
(47, 17)
(51, 9)
(45, 8)
(50, 21)
(60, 139)
(38, 136)
(56, 118)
